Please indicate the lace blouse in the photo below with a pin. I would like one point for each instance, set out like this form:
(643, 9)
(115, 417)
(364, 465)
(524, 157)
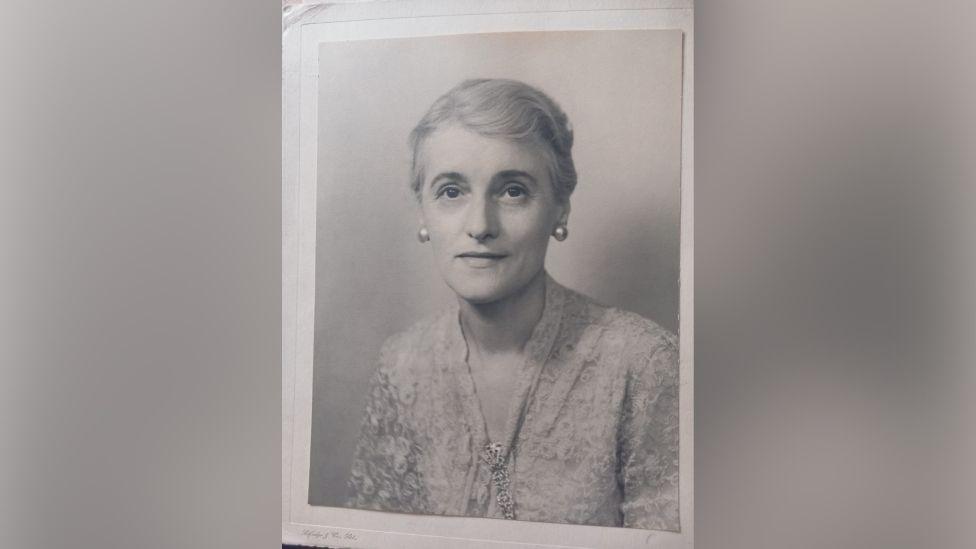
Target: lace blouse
(592, 434)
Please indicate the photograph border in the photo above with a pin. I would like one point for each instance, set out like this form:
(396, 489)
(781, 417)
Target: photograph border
(305, 27)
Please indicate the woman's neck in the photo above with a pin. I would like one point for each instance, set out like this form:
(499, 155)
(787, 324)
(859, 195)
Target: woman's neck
(506, 325)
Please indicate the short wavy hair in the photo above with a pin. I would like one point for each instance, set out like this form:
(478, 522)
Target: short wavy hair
(506, 109)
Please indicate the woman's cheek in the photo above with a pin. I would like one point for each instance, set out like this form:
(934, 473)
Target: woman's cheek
(531, 227)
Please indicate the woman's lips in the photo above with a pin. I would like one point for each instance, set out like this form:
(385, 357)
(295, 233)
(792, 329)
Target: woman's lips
(480, 260)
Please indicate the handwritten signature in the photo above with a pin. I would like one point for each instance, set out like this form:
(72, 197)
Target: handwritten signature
(322, 535)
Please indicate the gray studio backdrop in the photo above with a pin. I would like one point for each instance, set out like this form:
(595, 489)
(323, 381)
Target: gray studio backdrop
(622, 93)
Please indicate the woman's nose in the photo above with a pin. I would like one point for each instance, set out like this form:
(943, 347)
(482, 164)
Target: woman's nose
(481, 223)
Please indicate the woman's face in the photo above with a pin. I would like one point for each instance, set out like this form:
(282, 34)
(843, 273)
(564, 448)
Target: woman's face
(490, 208)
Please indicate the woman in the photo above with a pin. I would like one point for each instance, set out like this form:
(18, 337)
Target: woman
(526, 400)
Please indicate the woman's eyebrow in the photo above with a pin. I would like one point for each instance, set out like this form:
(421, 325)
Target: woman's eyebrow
(512, 174)
(452, 176)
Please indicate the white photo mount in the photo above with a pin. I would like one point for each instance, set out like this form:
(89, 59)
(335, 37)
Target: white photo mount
(305, 27)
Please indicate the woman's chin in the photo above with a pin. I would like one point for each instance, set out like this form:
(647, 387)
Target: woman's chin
(480, 296)
(487, 290)
(480, 292)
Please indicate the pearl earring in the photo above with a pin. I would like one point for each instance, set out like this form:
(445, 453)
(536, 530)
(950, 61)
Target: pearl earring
(423, 235)
(561, 233)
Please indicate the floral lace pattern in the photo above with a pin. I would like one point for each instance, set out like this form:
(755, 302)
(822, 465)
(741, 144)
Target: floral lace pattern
(592, 436)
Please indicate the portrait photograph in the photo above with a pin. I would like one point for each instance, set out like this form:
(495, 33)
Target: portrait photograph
(486, 285)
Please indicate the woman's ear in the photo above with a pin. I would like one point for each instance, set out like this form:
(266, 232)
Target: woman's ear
(564, 216)
(419, 210)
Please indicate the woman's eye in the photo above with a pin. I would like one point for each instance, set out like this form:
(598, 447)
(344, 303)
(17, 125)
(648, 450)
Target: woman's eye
(451, 192)
(515, 192)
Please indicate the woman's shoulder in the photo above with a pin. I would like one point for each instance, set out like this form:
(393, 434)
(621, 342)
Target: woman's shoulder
(422, 341)
(635, 330)
(613, 323)
(620, 334)
(426, 332)
(647, 348)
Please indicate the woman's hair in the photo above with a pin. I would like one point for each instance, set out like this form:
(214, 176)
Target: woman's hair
(507, 109)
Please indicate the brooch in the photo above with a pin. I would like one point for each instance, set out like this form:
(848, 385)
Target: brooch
(494, 457)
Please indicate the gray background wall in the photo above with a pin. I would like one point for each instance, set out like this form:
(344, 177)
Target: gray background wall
(622, 93)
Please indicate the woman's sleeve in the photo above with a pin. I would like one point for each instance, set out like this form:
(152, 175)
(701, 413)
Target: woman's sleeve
(649, 438)
(384, 474)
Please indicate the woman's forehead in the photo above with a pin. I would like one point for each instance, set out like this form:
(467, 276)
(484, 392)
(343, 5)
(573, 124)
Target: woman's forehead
(458, 149)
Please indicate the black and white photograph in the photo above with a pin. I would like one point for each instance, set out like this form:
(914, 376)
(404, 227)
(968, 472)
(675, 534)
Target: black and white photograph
(512, 274)
(495, 282)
